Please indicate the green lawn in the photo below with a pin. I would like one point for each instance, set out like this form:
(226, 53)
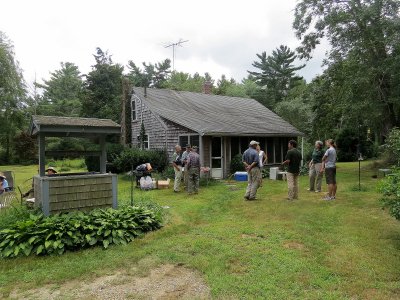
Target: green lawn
(265, 249)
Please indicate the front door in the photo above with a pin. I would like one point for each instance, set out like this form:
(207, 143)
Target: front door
(216, 157)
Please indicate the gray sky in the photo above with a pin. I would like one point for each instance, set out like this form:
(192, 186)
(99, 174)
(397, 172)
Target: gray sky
(224, 36)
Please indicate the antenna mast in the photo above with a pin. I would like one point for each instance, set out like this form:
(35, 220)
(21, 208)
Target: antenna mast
(173, 45)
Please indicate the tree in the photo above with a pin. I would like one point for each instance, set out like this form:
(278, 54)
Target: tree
(363, 34)
(62, 92)
(277, 74)
(12, 96)
(181, 81)
(151, 75)
(102, 97)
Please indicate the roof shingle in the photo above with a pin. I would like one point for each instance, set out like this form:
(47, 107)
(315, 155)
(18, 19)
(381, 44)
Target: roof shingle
(216, 115)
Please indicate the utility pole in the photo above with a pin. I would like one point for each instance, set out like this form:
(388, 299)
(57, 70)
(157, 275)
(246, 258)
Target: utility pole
(173, 45)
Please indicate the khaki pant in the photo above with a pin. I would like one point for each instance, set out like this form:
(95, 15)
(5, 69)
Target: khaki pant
(253, 183)
(193, 180)
(293, 185)
(315, 174)
(178, 177)
(185, 177)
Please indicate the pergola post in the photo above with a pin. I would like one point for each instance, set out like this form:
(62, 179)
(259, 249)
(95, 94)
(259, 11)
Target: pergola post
(42, 157)
(103, 156)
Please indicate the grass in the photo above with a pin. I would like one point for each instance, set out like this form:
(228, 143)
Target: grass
(265, 249)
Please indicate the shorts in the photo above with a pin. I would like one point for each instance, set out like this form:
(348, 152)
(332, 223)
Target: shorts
(330, 175)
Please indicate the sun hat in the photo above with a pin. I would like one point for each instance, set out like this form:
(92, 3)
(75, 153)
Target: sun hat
(51, 168)
(254, 143)
(2, 176)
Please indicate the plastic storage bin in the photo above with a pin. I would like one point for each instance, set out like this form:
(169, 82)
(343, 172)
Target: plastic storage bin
(240, 176)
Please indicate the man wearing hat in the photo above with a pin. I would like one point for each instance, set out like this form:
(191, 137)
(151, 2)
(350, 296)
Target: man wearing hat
(185, 155)
(193, 169)
(51, 171)
(251, 164)
(3, 184)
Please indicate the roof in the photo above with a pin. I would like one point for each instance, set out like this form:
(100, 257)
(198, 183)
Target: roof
(72, 126)
(216, 115)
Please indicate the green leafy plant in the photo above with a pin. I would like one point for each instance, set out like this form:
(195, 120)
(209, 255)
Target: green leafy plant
(390, 188)
(56, 234)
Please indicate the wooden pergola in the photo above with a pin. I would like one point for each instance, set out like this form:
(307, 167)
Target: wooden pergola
(50, 126)
(74, 191)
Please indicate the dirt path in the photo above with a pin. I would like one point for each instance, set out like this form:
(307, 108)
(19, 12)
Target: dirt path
(163, 282)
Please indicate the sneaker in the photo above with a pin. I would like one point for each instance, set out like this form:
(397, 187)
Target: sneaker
(318, 191)
(310, 190)
(327, 198)
(246, 197)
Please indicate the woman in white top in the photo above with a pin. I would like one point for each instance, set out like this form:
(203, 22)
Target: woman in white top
(262, 157)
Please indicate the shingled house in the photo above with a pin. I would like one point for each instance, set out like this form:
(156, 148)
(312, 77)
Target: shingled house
(220, 126)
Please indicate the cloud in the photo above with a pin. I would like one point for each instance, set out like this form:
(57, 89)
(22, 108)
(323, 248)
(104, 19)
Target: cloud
(224, 36)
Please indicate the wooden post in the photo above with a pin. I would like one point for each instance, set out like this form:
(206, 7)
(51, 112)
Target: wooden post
(42, 157)
(103, 156)
(201, 152)
(125, 92)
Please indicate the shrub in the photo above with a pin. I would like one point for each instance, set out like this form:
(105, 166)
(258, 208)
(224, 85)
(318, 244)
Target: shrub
(390, 188)
(392, 147)
(237, 163)
(113, 151)
(133, 157)
(73, 231)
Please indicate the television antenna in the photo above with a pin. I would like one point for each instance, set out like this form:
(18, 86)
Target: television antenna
(173, 45)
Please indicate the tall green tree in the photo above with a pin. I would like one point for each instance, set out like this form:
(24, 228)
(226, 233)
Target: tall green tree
(276, 75)
(151, 75)
(364, 37)
(102, 97)
(62, 93)
(12, 96)
(181, 81)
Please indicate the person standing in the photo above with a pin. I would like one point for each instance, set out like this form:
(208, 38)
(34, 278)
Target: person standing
(293, 160)
(193, 169)
(185, 155)
(315, 166)
(3, 184)
(262, 156)
(329, 165)
(251, 163)
(177, 164)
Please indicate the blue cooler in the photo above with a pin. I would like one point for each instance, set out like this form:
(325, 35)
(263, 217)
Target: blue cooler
(240, 176)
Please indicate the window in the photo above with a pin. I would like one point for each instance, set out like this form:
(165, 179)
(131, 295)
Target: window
(146, 143)
(193, 140)
(133, 110)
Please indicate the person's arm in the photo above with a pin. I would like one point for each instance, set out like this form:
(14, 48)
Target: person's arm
(324, 158)
(265, 158)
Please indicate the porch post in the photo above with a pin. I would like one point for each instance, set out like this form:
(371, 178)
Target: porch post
(201, 144)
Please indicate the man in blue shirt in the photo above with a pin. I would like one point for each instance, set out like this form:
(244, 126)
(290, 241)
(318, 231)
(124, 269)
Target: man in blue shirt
(251, 163)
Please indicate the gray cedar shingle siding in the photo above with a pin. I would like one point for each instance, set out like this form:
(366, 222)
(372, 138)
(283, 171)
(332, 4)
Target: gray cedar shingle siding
(216, 115)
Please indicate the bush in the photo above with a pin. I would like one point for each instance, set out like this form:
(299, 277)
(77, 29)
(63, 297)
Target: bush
(113, 151)
(237, 164)
(390, 188)
(73, 231)
(392, 147)
(133, 157)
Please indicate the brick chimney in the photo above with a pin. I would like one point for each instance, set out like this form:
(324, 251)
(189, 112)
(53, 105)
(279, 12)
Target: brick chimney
(207, 87)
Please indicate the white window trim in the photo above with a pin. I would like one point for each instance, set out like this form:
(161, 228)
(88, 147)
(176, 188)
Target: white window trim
(136, 115)
(146, 141)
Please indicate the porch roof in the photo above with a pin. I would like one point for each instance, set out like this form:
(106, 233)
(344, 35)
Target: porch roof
(216, 115)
